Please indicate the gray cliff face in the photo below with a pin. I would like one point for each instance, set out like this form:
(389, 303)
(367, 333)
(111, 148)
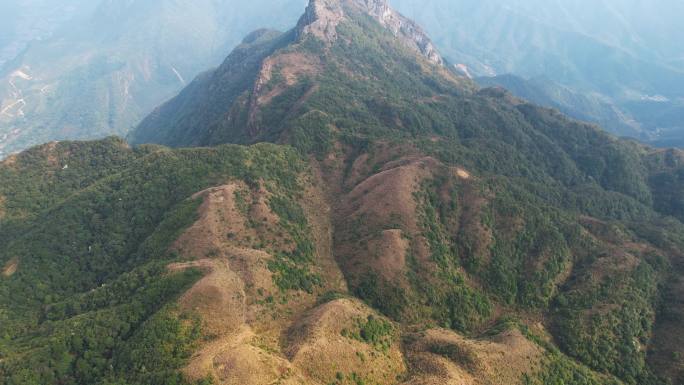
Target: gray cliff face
(322, 17)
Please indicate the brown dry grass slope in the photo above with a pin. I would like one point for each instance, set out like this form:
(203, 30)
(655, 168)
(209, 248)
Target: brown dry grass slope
(365, 219)
(441, 356)
(232, 298)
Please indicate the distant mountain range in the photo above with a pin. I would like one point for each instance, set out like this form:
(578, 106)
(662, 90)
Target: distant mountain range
(622, 52)
(589, 107)
(99, 67)
(87, 69)
(22, 22)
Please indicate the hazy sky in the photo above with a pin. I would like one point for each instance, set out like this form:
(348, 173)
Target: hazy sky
(652, 24)
(651, 29)
(611, 18)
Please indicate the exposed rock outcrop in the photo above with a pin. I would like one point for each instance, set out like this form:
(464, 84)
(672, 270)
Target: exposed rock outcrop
(322, 17)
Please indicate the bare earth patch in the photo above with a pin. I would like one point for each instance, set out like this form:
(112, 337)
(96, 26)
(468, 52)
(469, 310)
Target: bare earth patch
(244, 315)
(278, 74)
(290, 67)
(388, 254)
(10, 267)
(462, 173)
(239, 360)
(318, 346)
(2, 206)
(10, 160)
(617, 263)
(387, 196)
(441, 356)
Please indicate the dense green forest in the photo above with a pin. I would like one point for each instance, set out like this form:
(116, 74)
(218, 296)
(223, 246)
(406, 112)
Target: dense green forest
(91, 301)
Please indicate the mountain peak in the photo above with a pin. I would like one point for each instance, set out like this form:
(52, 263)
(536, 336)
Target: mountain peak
(323, 16)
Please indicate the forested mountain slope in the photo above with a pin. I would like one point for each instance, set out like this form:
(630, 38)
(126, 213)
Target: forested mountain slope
(403, 226)
(584, 106)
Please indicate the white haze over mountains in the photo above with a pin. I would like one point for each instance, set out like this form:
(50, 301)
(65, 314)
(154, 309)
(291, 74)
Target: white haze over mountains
(617, 61)
(97, 67)
(648, 30)
(24, 21)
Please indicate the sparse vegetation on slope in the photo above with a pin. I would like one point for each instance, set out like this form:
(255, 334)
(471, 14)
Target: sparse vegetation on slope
(93, 267)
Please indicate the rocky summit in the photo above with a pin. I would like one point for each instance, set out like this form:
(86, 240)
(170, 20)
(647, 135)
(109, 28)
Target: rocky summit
(322, 17)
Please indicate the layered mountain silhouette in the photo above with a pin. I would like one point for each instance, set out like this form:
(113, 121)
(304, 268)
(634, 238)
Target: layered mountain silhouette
(619, 51)
(337, 206)
(101, 66)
